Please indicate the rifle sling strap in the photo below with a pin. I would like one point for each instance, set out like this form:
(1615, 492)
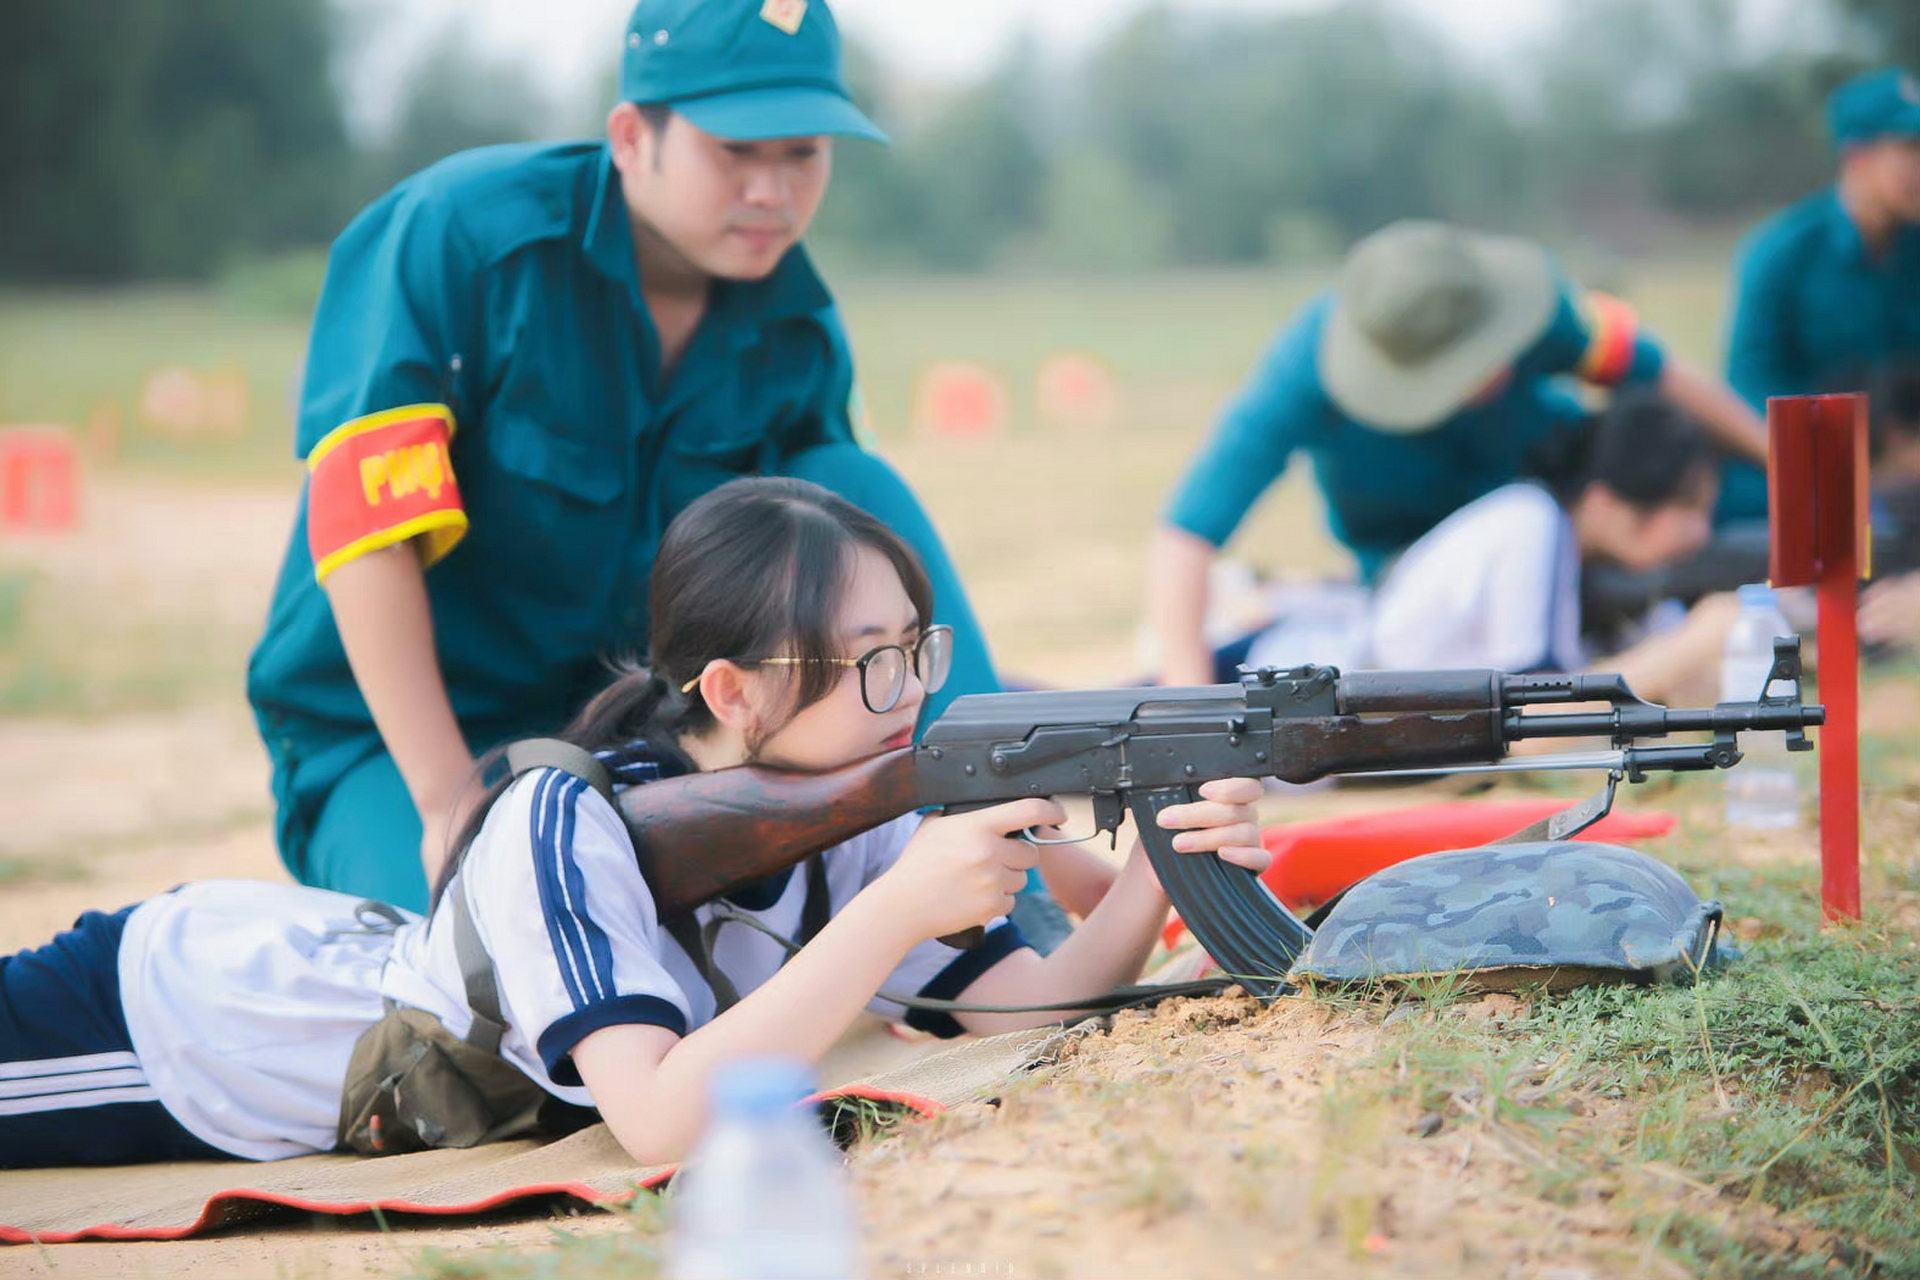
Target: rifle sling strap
(551, 753)
(697, 941)
(476, 966)
(1140, 995)
(476, 970)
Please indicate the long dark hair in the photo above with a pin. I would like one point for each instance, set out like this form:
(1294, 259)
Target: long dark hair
(758, 566)
(1642, 447)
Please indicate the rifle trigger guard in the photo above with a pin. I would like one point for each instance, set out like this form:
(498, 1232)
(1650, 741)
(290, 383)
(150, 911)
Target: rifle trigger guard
(1031, 836)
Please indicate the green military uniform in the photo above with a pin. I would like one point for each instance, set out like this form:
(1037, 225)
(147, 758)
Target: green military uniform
(491, 306)
(1370, 380)
(1815, 309)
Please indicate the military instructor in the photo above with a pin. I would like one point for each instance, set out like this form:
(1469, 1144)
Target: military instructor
(1828, 292)
(526, 360)
(1425, 378)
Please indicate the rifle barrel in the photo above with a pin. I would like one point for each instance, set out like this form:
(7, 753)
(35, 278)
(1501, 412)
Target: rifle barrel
(1644, 720)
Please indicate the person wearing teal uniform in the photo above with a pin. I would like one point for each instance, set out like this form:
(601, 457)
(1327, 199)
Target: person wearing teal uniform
(1828, 290)
(1419, 383)
(525, 362)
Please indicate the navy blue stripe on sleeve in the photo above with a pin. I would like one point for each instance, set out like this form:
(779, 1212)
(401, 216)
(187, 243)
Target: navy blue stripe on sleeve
(959, 975)
(580, 946)
(551, 903)
(599, 949)
(557, 1041)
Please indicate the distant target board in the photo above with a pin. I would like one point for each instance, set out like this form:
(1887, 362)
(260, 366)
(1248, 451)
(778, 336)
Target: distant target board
(39, 480)
(1076, 390)
(956, 400)
(178, 401)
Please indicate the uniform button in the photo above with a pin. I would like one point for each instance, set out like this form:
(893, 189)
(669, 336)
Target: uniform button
(660, 37)
(633, 40)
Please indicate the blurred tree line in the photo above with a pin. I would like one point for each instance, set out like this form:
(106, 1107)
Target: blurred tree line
(151, 140)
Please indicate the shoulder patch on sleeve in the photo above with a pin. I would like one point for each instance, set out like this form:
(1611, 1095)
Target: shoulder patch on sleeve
(381, 480)
(1612, 328)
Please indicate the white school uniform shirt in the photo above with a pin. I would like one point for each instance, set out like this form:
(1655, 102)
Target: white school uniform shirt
(1496, 584)
(244, 999)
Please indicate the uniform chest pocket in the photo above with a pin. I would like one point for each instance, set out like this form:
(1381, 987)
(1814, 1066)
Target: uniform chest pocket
(524, 448)
(702, 463)
(545, 513)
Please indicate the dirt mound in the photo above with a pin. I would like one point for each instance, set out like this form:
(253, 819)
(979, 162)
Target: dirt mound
(1220, 1138)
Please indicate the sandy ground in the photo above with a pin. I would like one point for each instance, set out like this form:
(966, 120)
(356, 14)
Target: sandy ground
(1209, 1140)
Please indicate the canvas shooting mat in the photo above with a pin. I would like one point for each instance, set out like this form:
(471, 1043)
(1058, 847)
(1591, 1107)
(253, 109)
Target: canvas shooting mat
(170, 1201)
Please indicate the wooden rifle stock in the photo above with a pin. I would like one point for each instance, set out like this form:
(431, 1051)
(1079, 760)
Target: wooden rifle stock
(704, 835)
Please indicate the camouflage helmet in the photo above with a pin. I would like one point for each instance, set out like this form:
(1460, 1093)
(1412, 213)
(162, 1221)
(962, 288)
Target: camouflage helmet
(1556, 914)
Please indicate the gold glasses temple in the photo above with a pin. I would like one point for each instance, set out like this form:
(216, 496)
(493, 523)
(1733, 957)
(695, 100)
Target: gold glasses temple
(781, 662)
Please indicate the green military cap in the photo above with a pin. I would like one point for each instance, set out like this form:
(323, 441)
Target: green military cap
(743, 69)
(1424, 315)
(1876, 104)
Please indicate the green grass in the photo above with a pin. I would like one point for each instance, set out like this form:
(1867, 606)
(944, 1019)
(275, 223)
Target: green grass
(1177, 345)
(1789, 1081)
(68, 651)
(629, 1255)
(1764, 1121)
(80, 358)
(19, 871)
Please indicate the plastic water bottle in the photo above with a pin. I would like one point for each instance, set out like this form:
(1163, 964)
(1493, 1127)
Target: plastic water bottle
(764, 1195)
(1762, 791)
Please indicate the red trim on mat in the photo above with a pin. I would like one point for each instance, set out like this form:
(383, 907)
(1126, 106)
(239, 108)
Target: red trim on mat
(213, 1214)
(927, 1107)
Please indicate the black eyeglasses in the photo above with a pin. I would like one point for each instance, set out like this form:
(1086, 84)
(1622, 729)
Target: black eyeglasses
(883, 671)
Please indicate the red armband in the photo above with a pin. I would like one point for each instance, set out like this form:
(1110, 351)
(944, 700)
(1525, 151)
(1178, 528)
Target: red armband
(1612, 330)
(381, 480)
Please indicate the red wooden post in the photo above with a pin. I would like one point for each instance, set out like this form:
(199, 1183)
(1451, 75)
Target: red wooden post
(1817, 485)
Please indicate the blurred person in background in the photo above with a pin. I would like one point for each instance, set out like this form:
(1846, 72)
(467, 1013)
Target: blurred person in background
(1498, 583)
(1890, 607)
(1827, 291)
(1420, 382)
(525, 361)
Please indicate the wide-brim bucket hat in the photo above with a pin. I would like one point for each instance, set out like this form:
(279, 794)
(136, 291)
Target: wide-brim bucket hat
(1425, 315)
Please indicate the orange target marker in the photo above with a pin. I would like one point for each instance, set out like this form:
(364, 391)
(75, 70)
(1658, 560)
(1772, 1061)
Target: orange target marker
(956, 400)
(39, 480)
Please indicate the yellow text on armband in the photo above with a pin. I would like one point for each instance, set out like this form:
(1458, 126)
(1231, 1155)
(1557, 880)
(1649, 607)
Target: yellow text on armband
(405, 470)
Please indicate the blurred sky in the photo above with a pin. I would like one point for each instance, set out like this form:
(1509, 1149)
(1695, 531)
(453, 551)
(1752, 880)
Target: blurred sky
(569, 43)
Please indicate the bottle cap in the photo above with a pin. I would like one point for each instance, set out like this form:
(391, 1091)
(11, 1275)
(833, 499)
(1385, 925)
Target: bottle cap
(1756, 593)
(754, 1088)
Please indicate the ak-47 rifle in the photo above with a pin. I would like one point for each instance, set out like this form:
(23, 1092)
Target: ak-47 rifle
(1141, 750)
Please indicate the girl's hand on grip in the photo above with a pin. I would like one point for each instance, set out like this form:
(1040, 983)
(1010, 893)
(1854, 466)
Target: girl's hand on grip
(962, 869)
